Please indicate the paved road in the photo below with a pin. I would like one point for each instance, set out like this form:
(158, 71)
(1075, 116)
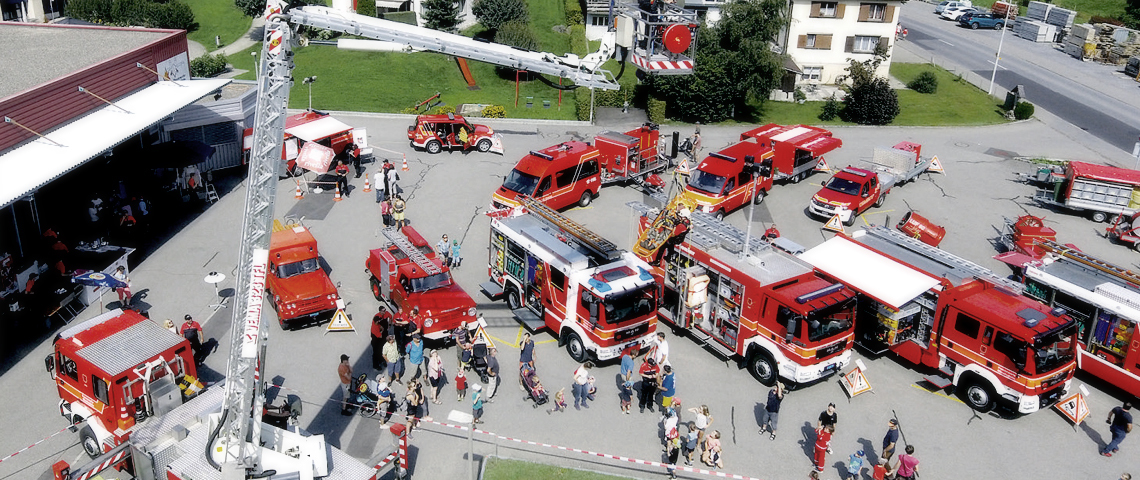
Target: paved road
(1096, 98)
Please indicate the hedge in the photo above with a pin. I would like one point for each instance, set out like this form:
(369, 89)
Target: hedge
(1023, 111)
(207, 65)
(172, 14)
(574, 15)
(656, 110)
(494, 111)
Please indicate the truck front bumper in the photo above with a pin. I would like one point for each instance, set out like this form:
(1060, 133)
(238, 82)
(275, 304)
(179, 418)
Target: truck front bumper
(826, 211)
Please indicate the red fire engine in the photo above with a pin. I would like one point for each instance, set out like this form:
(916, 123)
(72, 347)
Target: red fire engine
(935, 309)
(298, 288)
(797, 148)
(575, 171)
(407, 273)
(114, 371)
(308, 126)
(759, 304)
(558, 275)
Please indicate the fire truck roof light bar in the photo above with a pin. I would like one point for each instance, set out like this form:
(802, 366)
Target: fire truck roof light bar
(723, 156)
(541, 155)
(592, 241)
(855, 172)
(400, 241)
(823, 292)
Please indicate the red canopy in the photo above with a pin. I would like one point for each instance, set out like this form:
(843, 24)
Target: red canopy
(315, 157)
(1103, 172)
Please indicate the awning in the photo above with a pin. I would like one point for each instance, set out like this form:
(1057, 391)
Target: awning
(882, 278)
(317, 130)
(821, 145)
(393, 4)
(789, 64)
(33, 165)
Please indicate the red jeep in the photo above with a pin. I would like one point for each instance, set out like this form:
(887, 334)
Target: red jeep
(437, 132)
(298, 287)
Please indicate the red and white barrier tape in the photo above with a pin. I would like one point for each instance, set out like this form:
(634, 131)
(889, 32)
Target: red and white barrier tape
(22, 450)
(103, 466)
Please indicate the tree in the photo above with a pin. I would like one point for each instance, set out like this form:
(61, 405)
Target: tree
(442, 15)
(256, 8)
(494, 13)
(870, 99)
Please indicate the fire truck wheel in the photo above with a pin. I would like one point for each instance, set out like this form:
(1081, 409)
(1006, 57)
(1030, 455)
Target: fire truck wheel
(89, 442)
(484, 145)
(850, 220)
(978, 394)
(1099, 217)
(513, 301)
(881, 200)
(763, 368)
(375, 284)
(586, 199)
(434, 147)
(575, 348)
(760, 197)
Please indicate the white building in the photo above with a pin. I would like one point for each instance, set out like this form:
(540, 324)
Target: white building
(823, 35)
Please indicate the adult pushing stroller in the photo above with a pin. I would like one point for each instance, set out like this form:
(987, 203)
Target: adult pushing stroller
(533, 387)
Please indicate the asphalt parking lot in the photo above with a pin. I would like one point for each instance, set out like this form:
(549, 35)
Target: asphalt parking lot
(449, 193)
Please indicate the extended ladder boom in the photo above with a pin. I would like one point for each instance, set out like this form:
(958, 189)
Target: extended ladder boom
(592, 241)
(1065, 251)
(400, 241)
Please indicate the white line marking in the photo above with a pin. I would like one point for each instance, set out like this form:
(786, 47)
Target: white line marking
(944, 41)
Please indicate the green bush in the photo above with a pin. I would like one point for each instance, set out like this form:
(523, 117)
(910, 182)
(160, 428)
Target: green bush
(443, 110)
(574, 15)
(442, 15)
(207, 65)
(172, 14)
(925, 82)
(582, 104)
(1023, 111)
(494, 13)
(517, 34)
(831, 109)
(656, 110)
(366, 7)
(494, 111)
(872, 103)
(578, 43)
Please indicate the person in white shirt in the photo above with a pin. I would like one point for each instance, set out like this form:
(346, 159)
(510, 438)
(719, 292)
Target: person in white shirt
(661, 350)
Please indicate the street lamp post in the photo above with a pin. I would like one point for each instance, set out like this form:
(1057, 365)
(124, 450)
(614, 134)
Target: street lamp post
(997, 57)
(256, 65)
(309, 81)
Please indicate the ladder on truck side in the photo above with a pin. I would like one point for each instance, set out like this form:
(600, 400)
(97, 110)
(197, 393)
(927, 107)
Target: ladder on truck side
(964, 268)
(1078, 256)
(595, 243)
(400, 241)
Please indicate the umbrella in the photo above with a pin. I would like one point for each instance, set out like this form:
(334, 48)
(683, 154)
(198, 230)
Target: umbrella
(98, 279)
(315, 157)
(175, 154)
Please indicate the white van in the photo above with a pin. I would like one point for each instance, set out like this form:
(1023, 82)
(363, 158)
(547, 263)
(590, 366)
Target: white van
(948, 3)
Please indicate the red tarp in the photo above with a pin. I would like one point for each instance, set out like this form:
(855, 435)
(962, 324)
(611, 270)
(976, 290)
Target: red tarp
(1102, 172)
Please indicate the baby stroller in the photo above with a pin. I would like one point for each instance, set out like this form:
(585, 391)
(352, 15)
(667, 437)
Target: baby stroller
(533, 387)
(479, 361)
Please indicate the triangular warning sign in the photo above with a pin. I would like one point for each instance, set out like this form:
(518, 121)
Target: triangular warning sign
(835, 224)
(855, 382)
(482, 337)
(340, 323)
(935, 166)
(821, 166)
(683, 167)
(1074, 408)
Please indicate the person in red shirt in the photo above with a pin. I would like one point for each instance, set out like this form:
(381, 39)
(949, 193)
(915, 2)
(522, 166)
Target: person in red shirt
(822, 443)
(380, 323)
(31, 284)
(648, 371)
(192, 331)
(882, 469)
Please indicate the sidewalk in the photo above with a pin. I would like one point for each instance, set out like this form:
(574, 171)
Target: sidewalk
(255, 34)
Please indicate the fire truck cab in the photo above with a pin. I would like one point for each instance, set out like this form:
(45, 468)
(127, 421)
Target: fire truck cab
(308, 126)
(297, 285)
(555, 274)
(437, 132)
(764, 307)
(407, 273)
(721, 183)
(934, 309)
(558, 176)
(116, 370)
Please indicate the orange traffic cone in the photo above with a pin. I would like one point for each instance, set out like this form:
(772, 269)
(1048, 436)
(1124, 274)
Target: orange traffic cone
(299, 195)
(367, 184)
(337, 197)
(405, 168)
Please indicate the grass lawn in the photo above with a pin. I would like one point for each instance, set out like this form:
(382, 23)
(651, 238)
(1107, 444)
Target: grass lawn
(503, 469)
(955, 103)
(217, 18)
(1087, 8)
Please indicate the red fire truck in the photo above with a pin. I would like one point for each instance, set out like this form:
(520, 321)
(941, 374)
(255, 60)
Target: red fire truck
(298, 288)
(309, 126)
(575, 171)
(116, 370)
(797, 148)
(938, 310)
(406, 273)
(558, 275)
(854, 190)
(757, 303)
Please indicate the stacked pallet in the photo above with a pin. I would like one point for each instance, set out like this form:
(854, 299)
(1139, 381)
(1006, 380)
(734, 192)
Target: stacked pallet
(1038, 11)
(1060, 17)
(1081, 39)
(1034, 30)
(1109, 43)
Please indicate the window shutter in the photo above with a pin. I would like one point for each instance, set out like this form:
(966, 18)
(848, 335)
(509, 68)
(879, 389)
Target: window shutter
(814, 9)
(802, 42)
(884, 42)
(850, 45)
(823, 42)
(839, 10)
(864, 12)
(889, 16)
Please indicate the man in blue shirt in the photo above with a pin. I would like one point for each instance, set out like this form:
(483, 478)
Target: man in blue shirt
(415, 351)
(668, 388)
(627, 365)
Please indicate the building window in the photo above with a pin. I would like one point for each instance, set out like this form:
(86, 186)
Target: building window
(600, 20)
(865, 44)
(810, 41)
(812, 74)
(876, 12)
(813, 41)
(827, 9)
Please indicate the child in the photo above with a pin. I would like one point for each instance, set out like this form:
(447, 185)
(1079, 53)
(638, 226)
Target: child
(538, 389)
(559, 401)
(590, 388)
(822, 443)
(460, 383)
(882, 470)
(455, 258)
(477, 403)
(626, 395)
(690, 445)
(855, 465)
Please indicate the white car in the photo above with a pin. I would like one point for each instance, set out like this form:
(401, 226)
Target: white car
(953, 13)
(941, 7)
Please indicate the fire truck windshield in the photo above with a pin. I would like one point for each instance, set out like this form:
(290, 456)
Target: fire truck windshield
(707, 182)
(1053, 349)
(429, 282)
(307, 265)
(842, 185)
(821, 325)
(630, 305)
(520, 182)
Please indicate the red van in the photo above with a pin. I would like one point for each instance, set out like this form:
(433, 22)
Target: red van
(558, 176)
(720, 183)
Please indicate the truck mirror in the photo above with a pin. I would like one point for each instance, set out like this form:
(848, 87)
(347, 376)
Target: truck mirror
(49, 362)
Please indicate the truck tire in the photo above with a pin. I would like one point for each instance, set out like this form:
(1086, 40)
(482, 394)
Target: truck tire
(719, 214)
(763, 368)
(374, 283)
(484, 145)
(513, 300)
(978, 394)
(879, 201)
(90, 444)
(1099, 217)
(759, 197)
(575, 347)
(850, 220)
(586, 199)
(433, 147)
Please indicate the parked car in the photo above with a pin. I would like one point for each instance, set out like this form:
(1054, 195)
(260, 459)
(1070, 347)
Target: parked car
(981, 20)
(954, 13)
(951, 4)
